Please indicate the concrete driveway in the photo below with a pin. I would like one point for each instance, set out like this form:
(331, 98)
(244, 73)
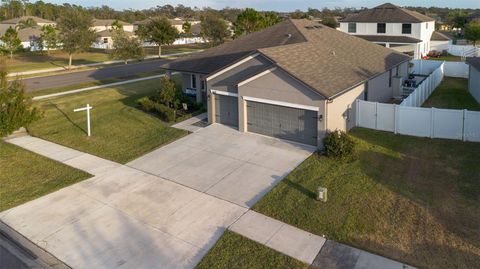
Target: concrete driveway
(222, 162)
(164, 210)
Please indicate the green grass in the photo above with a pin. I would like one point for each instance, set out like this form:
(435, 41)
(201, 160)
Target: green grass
(120, 131)
(25, 175)
(234, 251)
(448, 58)
(412, 199)
(28, 61)
(452, 93)
(92, 83)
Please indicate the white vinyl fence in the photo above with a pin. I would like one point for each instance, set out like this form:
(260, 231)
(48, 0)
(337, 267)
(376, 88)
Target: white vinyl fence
(464, 50)
(426, 87)
(417, 121)
(456, 69)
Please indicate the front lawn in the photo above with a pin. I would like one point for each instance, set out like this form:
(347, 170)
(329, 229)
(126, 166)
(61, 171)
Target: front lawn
(28, 61)
(412, 199)
(452, 93)
(120, 131)
(234, 251)
(25, 175)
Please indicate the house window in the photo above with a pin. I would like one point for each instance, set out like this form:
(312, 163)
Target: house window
(194, 81)
(105, 40)
(406, 28)
(352, 27)
(381, 28)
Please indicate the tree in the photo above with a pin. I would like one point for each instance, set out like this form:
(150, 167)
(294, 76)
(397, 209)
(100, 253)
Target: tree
(456, 19)
(26, 23)
(168, 93)
(472, 31)
(187, 29)
(75, 33)
(248, 21)
(329, 21)
(161, 32)
(11, 41)
(270, 18)
(48, 38)
(117, 25)
(214, 29)
(16, 109)
(126, 47)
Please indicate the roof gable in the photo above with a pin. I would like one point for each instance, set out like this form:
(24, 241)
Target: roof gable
(388, 13)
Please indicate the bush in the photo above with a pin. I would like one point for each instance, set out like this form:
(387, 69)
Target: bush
(16, 109)
(166, 114)
(146, 104)
(338, 144)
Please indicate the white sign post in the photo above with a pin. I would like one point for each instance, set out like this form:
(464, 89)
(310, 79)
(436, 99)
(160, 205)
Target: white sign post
(87, 108)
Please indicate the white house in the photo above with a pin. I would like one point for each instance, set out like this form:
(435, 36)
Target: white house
(177, 23)
(103, 30)
(27, 35)
(393, 27)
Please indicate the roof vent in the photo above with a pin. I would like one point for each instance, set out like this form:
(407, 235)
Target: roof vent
(333, 53)
(289, 35)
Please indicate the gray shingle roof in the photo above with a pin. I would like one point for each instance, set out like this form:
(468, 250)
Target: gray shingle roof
(218, 57)
(389, 38)
(327, 60)
(387, 13)
(474, 61)
(24, 18)
(99, 22)
(437, 36)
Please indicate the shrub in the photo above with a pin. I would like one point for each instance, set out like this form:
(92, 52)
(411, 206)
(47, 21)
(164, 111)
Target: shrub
(338, 144)
(166, 114)
(146, 104)
(15, 108)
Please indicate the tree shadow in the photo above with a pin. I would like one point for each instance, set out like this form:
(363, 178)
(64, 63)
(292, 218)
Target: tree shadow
(68, 118)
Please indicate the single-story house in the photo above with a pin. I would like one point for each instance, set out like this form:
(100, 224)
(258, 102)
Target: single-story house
(104, 39)
(16, 21)
(295, 80)
(28, 36)
(474, 77)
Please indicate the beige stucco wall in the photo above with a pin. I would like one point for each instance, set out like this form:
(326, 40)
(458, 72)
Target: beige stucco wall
(279, 86)
(341, 110)
(379, 89)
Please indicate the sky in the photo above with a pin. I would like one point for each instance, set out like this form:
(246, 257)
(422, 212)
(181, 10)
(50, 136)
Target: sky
(276, 5)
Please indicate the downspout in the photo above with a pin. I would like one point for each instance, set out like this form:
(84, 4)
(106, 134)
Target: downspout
(328, 101)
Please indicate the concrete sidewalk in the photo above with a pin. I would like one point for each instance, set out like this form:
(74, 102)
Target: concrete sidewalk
(64, 68)
(193, 124)
(311, 249)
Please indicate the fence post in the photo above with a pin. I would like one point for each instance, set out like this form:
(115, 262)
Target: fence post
(395, 115)
(432, 122)
(376, 115)
(464, 138)
(357, 113)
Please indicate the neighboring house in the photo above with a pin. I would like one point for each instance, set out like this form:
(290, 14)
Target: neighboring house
(440, 42)
(104, 39)
(394, 27)
(102, 25)
(16, 21)
(28, 35)
(103, 30)
(295, 80)
(178, 24)
(474, 77)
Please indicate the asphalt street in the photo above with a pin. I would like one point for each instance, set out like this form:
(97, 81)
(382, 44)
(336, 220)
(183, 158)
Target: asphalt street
(77, 77)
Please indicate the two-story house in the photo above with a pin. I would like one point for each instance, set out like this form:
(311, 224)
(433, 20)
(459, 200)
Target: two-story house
(393, 27)
(28, 34)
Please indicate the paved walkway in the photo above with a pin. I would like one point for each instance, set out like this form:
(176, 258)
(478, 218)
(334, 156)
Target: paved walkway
(193, 124)
(168, 208)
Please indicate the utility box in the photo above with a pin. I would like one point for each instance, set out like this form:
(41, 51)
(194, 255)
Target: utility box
(322, 194)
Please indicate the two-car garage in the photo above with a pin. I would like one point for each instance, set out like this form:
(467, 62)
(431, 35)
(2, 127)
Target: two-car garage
(280, 121)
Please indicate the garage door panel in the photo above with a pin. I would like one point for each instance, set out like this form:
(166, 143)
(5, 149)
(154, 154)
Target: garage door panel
(283, 122)
(226, 110)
